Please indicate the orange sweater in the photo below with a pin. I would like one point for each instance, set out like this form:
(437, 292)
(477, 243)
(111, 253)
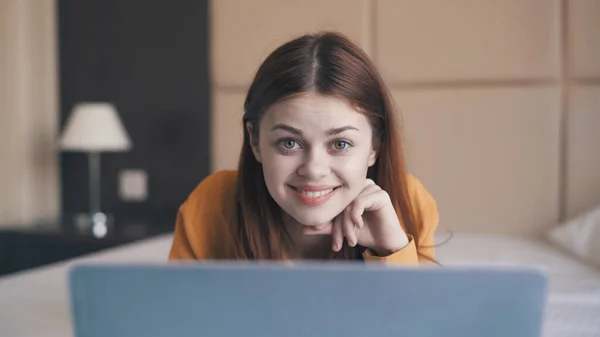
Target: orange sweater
(202, 231)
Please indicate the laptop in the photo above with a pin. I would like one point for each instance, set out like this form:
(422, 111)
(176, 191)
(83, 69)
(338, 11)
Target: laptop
(225, 299)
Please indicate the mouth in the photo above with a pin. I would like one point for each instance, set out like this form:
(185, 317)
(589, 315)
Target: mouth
(313, 195)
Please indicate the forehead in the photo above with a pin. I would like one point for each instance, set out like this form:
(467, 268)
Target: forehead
(315, 112)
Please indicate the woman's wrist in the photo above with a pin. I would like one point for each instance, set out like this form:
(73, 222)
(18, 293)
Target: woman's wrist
(393, 246)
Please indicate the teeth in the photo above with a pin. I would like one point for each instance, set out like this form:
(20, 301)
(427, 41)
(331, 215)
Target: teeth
(317, 193)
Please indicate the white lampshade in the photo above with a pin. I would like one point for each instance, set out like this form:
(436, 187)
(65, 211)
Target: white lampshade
(94, 127)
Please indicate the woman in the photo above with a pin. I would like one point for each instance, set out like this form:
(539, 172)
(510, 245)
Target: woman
(321, 173)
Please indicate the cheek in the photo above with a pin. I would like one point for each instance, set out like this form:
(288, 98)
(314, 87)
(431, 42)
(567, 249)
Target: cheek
(353, 174)
(276, 167)
(352, 167)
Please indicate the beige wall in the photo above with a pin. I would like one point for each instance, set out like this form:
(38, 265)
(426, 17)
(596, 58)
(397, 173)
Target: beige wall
(28, 113)
(582, 165)
(500, 99)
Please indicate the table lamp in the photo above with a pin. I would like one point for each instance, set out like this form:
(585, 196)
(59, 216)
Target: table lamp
(92, 128)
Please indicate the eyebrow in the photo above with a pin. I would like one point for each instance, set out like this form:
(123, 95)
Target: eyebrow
(298, 132)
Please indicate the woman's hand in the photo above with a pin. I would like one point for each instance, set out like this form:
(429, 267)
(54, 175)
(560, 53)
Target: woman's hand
(369, 221)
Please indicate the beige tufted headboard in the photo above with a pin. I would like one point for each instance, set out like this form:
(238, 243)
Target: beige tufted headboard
(500, 99)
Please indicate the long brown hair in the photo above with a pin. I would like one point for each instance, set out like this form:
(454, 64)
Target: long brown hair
(329, 64)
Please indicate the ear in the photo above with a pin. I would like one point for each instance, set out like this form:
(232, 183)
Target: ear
(374, 152)
(253, 141)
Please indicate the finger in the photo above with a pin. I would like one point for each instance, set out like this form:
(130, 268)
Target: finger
(314, 230)
(347, 218)
(369, 202)
(356, 216)
(337, 234)
(355, 227)
(349, 228)
(369, 182)
(356, 213)
(370, 189)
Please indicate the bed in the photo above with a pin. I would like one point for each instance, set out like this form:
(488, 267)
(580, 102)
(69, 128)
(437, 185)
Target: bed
(573, 307)
(35, 303)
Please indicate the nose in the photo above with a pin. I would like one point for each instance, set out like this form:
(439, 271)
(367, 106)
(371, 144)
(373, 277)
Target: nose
(315, 165)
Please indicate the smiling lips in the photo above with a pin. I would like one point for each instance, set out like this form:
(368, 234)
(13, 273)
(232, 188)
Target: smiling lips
(313, 195)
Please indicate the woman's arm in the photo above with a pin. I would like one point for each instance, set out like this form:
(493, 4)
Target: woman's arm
(181, 249)
(426, 208)
(201, 228)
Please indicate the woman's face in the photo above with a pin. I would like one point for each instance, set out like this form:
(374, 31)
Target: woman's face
(315, 151)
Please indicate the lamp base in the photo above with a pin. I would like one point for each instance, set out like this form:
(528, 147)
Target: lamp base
(98, 224)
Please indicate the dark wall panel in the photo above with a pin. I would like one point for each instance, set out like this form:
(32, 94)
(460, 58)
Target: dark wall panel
(150, 59)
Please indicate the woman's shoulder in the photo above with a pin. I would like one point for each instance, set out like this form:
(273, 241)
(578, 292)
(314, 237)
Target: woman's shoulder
(202, 219)
(417, 190)
(422, 201)
(223, 179)
(214, 194)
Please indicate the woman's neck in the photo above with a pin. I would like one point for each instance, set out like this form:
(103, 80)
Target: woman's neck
(311, 247)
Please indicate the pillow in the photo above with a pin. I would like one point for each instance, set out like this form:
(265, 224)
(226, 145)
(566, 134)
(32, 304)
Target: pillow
(580, 235)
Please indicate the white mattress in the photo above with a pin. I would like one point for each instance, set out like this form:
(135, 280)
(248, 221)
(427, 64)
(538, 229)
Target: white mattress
(35, 303)
(573, 307)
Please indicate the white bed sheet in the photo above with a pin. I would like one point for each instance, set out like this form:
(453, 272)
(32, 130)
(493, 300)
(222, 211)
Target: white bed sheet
(573, 307)
(35, 303)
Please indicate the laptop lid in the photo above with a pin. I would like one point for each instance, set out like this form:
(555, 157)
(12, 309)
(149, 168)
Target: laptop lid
(306, 299)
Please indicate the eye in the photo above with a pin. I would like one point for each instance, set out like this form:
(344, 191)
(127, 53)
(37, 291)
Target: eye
(288, 144)
(341, 145)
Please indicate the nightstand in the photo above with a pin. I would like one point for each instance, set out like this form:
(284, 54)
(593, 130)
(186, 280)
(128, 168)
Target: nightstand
(25, 248)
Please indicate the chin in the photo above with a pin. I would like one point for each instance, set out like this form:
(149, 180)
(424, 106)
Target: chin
(313, 220)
